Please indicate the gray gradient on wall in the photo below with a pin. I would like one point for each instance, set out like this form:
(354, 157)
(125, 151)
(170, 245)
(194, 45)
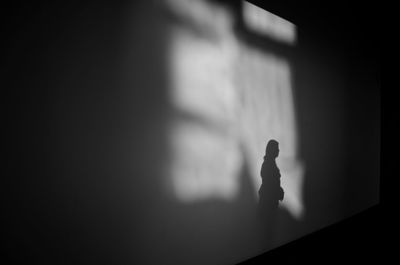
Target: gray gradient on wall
(88, 120)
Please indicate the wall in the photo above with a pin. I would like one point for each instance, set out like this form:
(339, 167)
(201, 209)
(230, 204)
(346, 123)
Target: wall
(90, 115)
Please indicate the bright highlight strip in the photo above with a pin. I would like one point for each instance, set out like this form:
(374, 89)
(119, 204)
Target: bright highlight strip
(268, 24)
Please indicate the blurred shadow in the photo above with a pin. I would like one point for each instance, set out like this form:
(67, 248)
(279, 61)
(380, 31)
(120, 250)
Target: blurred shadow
(270, 192)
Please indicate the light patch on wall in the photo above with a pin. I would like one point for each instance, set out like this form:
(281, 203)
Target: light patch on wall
(206, 163)
(229, 99)
(267, 112)
(206, 158)
(268, 24)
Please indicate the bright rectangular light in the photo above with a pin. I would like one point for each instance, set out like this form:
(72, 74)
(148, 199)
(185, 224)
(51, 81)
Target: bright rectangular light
(268, 24)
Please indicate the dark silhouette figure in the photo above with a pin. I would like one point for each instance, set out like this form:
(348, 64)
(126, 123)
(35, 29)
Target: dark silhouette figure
(270, 192)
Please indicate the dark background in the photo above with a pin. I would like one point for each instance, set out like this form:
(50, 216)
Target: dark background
(66, 132)
(354, 240)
